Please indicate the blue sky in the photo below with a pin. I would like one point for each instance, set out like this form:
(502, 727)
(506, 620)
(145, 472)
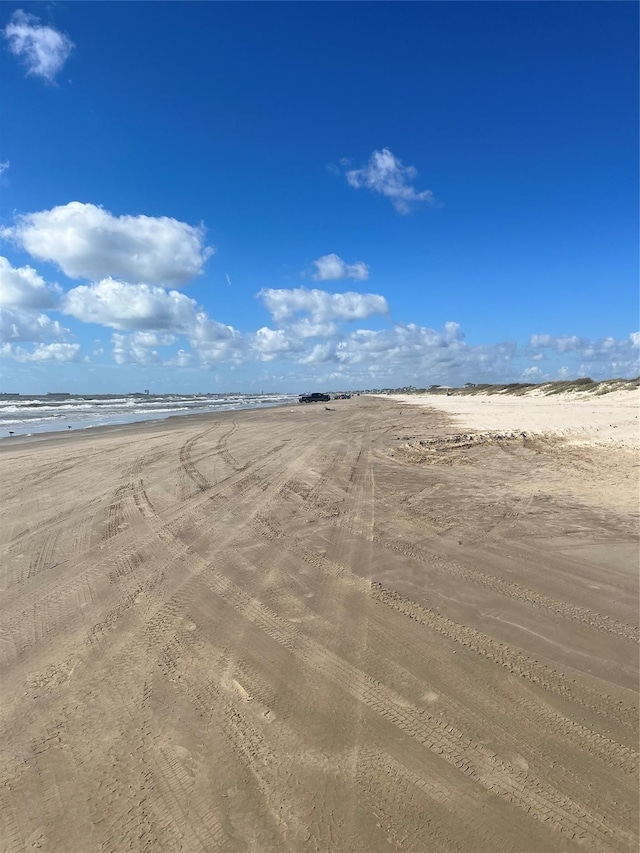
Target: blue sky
(247, 196)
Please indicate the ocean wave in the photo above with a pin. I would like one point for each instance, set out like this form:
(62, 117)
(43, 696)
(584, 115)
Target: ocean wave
(43, 415)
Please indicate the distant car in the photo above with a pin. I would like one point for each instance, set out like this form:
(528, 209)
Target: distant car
(314, 398)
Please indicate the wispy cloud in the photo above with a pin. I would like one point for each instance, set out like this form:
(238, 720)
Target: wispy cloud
(385, 174)
(4, 165)
(330, 267)
(43, 49)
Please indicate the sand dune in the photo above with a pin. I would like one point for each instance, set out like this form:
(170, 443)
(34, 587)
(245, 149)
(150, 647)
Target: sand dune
(377, 628)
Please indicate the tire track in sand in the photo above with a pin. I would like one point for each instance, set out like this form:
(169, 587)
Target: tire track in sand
(519, 788)
(514, 591)
(499, 653)
(485, 768)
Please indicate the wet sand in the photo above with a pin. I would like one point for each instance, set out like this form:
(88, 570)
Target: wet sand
(373, 628)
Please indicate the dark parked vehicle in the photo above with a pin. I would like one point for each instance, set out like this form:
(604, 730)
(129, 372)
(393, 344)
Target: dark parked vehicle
(314, 398)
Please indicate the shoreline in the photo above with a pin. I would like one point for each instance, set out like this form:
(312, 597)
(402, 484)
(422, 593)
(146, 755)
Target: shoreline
(85, 432)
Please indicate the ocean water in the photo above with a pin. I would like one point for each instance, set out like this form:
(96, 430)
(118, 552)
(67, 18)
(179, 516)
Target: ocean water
(26, 415)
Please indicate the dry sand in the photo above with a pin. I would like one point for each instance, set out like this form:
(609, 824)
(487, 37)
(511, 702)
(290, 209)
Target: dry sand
(582, 418)
(364, 629)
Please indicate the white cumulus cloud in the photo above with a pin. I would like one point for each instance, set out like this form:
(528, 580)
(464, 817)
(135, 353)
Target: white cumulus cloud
(86, 241)
(131, 306)
(148, 318)
(532, 374)
(17, 324)
(269, 344)
(559, 343)
(319, 354)
(604, 358)
(181, 359)
(306, 328)
(140, 348)
(321, 306)
(403, 344)
(216, 342)
(332, 266)
(42, 48)
(23, 287)
(60, 353)
(385, 174)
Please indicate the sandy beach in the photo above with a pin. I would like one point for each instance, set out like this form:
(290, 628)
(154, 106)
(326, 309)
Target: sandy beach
(369, 627)
(582, 418)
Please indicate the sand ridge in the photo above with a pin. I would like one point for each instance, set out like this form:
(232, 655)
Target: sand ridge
(363, 629)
